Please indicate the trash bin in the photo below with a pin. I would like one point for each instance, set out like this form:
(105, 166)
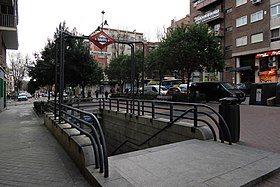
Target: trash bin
(230, 111)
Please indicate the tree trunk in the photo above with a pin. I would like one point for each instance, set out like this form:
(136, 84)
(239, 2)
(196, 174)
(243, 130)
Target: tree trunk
(83, 91)
(183, 76)
(188, 85)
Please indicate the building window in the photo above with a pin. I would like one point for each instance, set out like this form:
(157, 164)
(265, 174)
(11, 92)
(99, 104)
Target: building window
(229, 29)
(240, 2)
(275, 10)
(227, 48)
(257, 16)
(255, 38)
(241, 21)
(264, 64)
(275, 34)
(229, 10)
(241, 41)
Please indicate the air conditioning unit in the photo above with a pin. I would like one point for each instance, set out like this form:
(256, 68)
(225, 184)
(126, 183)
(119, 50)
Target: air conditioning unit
(272, 59)
(271, 64)
(256, 1)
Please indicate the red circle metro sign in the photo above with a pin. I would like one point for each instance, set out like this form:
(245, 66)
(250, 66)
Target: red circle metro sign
(101, 39)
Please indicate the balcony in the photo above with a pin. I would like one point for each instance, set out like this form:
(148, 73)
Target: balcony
(8, 27)
(209, 16)
(203, 3)
(7, 20)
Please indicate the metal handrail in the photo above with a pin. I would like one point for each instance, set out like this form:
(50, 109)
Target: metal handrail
(192, 110)
(144, 107)
(96, 135)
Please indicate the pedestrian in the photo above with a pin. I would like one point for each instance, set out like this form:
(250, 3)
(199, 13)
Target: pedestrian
(106, 94)
(96, 94)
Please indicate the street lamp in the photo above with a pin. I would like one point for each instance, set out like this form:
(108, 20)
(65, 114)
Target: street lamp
(100, 28)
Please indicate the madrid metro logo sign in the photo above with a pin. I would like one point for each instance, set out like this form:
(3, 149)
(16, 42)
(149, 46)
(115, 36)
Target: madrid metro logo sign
(101, 39)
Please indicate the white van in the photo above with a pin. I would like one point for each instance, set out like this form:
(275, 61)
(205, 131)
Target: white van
(154, 90)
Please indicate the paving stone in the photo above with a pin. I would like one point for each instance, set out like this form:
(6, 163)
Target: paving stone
(30, 155)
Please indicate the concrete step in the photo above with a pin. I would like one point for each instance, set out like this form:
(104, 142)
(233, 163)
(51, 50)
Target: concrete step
(191, 163)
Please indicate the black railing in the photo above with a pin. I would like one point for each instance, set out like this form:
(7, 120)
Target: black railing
(174, 111)
(88, 124)
(7, 20)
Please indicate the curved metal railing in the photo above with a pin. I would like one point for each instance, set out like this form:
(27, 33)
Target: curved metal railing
(195, 113)
(75, 116)
(175, 111)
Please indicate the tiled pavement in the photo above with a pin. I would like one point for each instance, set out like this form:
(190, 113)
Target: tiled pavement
(30, 155)
(260, 128)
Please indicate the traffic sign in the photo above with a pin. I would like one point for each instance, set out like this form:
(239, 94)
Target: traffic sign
(101, 39)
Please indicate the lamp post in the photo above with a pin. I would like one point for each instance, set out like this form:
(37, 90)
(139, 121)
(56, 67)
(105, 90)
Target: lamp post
(64, 35)
(104, 22)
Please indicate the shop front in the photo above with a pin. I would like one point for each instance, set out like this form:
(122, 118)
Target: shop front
(269, 66)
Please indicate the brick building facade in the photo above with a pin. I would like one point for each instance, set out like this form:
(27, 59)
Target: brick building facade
(249, 30)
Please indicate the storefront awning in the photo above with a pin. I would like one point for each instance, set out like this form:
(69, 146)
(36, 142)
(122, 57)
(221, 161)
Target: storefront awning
(270, 53)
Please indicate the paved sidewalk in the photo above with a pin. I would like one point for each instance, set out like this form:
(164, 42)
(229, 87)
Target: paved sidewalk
(30, 155)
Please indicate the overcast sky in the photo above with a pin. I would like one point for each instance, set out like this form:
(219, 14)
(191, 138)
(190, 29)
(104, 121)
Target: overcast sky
(38, 19)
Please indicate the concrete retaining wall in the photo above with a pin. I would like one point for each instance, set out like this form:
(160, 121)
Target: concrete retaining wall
(78, 146)
(119, 127)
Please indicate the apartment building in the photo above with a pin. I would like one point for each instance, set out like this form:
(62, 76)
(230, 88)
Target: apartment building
(9, 40)
(249, 30)
(175, 23)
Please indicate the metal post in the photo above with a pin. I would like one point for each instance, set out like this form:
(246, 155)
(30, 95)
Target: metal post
(61, 75)
(138, 108)
(143, 107)
(171, 112)
(143, 63)
(143, 70)
(195, 115)
(153, 110)
(55, 80)
(82, 117)
(118, 105)
(127, 107)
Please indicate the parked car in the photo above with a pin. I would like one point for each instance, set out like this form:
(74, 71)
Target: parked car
(214, 91)
(28, 95)
(175, 90)
(155, 90)
(22, 97)
(245, 87)
(184, 88)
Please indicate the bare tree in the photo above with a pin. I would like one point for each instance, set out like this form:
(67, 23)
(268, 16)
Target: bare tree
(160, 33)
(19, 64)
